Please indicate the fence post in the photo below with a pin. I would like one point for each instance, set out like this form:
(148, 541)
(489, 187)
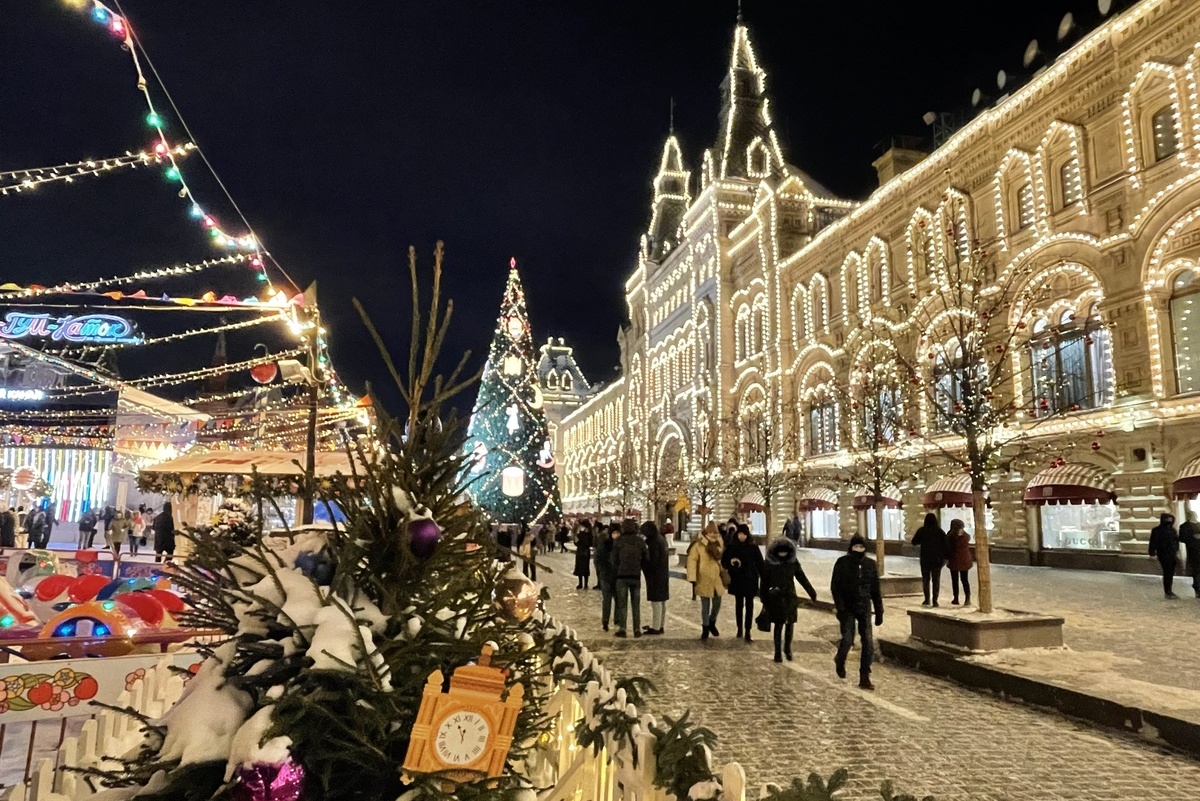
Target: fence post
(64, 780)
(87, 742)
(41, 783)
(733, 782)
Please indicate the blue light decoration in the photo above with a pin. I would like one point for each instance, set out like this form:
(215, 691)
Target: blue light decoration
(91, 329)
(100, 630)
(66, 629)
(7, 621)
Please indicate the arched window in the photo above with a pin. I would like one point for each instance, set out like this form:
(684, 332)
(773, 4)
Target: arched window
(880, 415)
(1185, 328)
(566, 382)
(1072, 363)
(822, 423)
(951, 387)
(800, 316)
(1026, 209)
(1071, 182)
(1166, 137)
(551, 380)
(820, 305)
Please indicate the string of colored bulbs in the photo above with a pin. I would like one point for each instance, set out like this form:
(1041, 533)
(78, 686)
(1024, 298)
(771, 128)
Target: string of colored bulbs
(145, 275)
(17, 181)
(117, 25)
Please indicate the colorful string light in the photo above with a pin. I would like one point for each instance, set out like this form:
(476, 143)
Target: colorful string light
(17, 181)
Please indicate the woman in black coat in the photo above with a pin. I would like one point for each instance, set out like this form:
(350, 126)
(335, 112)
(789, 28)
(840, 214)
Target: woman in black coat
(164, 534)
(657, 570)
(781, 570)
(935, 550)
(583, 555)
(744, 562)
(1164, 544)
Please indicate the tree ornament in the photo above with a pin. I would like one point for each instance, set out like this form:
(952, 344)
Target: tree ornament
(317, 566)
(516, 596)
(264, 373)
(423, 537)
(263, 782)
(1095, 446)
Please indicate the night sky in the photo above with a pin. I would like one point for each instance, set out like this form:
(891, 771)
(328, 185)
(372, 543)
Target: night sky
(348, 131)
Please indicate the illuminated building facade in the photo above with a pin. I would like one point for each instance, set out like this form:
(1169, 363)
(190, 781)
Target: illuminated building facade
(756, 291)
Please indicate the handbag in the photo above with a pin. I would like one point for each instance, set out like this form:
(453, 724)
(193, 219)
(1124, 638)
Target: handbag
(763, 621)
(725, 578)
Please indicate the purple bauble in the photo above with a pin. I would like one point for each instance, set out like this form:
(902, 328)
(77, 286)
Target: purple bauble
(423, 536)
(264, 782)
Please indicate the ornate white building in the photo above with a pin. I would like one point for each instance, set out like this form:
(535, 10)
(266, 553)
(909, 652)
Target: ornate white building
(756, 290)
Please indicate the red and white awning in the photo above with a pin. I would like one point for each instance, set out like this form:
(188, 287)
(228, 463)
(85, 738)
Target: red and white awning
(1187, 486)
(1072, 483)
(754, 502)
(817, 499)
(865, 499)
(945, 492)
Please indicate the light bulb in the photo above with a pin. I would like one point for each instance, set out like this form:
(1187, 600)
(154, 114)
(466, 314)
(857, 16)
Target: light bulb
(153, 120)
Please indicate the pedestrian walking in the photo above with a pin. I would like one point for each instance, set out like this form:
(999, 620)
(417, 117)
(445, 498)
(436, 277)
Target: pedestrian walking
(138, 533)
(780, 572)
(1189, 535)
(606, 574)
(855, 588)
(583, 555)
(118, 533)
(628, 559)
(793, 528)
(38, 524)
(743, 562)
(504, 543)
(87, 529)
(704, 571)
(934, 550)
(959, 559)
(1164, 544)
(164, 534)
(526, 549)
(562, 537)
(8, 528)
(658, 577)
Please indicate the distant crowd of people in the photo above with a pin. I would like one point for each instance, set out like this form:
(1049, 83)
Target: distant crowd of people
(722, 559)
(128, 527)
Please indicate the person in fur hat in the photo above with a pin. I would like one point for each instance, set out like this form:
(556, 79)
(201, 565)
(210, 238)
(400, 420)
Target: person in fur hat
(780, 572)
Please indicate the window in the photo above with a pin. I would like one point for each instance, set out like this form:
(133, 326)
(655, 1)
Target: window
(1185, 328)
(822, 427)
(951, 388)
(1071, 181)
(1025, 206)
(552, 380)
(566, 382)
(1166, 139)
(880, 417)
(820, 306)
(1071, 365)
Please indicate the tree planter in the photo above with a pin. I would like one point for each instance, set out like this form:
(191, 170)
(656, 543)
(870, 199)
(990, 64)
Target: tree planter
(896, 586)
(969, 630)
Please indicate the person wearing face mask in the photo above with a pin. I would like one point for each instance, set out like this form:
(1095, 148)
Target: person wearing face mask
(855, 588)
(781, 570)
(744, 563)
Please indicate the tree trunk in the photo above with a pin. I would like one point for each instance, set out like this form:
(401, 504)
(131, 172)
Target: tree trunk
(879, 549)
(982, 558)
(767, 525)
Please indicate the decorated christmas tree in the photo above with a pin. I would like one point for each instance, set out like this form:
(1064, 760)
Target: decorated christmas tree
(511, 466)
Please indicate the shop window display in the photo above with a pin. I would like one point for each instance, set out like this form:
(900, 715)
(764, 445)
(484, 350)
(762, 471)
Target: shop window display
(1084, 526)
(822, 524)
(893, 524)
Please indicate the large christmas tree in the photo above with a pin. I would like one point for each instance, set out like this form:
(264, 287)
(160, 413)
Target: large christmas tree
(511, 476)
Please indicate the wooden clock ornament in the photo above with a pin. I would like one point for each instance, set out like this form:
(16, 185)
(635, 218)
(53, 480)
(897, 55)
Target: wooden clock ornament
(465, 733)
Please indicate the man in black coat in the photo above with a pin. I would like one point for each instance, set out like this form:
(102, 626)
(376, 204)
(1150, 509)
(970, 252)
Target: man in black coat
(8, 528)
(628, 558)
(935, 550)
(1164, 544)
(855, 588)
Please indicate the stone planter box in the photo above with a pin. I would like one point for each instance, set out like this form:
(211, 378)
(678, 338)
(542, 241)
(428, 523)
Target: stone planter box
(893, 586)
(971, 631)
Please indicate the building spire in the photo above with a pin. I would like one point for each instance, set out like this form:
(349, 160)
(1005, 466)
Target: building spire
(671, 124)
(739, 16)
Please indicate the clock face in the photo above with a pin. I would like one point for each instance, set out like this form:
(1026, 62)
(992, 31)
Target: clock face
(461, 738)
(515, 327)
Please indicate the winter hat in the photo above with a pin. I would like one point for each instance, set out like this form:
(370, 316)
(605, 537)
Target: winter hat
(857, 539)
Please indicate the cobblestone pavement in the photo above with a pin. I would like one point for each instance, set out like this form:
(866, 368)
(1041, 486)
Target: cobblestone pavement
(927, 735)
(1129, 642)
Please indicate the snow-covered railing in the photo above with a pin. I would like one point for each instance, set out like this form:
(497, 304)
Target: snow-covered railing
(105, 733)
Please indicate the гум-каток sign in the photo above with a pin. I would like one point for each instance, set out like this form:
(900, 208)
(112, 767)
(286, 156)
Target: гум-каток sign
(17, 394)
(103, 329)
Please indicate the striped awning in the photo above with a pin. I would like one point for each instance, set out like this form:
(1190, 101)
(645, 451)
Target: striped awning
(1071, 483)
(945, 492)
(1187, 486)
(816, 499)
(754, 502)
(865, 499)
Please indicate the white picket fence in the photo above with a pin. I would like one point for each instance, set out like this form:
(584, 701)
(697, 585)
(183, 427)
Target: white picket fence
(106, 734)
(583, 774)
(567, 771)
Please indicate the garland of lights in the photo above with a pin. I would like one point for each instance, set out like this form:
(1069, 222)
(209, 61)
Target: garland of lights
(142, 275)
(17, 181)
(174, 337)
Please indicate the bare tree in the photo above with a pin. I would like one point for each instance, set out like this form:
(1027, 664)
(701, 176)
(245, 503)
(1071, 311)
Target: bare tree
(762, 468)
(874, 426)
(710, 470)
(968, 357)
(629, 483)
(664, 481)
